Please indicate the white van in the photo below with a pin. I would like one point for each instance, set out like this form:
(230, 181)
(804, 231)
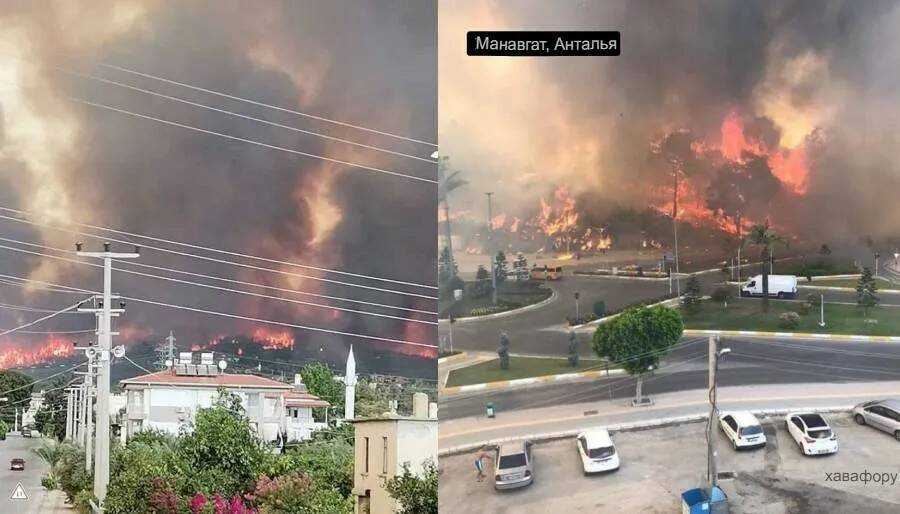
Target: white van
(780, 286)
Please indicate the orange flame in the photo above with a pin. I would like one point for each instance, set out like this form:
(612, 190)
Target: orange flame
(17, 356)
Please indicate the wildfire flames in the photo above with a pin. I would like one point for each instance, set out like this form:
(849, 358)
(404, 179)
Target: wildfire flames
(18, 356)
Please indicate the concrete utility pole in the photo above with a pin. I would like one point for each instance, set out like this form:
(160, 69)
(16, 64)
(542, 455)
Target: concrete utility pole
(491, 250)
(101, 469)
(69, 414)
(714, 355)
(675, 231)
(89, 422)
(76, 414)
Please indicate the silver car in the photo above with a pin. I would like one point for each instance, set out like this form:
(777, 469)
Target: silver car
(513, 468)
(881, 414)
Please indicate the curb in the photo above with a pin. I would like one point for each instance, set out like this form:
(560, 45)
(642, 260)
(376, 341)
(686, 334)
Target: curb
(845, 289)
(625, 427)
(799, 335)
(553, 296)
(519, 382)
(453, 358)
(604, 319)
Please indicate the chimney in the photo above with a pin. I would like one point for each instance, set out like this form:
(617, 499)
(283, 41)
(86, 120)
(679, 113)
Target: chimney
(420, 405)
(299, 386)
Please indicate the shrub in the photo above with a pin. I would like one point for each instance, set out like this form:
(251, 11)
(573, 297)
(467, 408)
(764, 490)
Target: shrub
(47, 482)
(720, 294)
(4, 428)
(813, 300)
(804, 309)
(599, 309)
(788, 320)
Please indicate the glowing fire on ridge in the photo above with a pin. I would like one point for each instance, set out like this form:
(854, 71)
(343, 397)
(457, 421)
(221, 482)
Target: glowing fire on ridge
(18, 356)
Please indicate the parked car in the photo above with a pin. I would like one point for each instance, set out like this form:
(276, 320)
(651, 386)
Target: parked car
(597, 451)
(742, 429)
(514, 466)
(17, 465)
(881, 414)
(812, 433)
(26, 431)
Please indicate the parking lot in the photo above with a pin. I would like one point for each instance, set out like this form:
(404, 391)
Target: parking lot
(657, 465)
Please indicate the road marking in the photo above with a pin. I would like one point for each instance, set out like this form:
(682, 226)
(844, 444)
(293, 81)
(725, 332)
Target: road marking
(18, 493)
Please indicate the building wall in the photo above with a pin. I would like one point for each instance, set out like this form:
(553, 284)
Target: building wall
(168, 408)
(407, 441)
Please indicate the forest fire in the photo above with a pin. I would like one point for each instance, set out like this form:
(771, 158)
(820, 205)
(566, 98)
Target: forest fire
(274, 340)
(31, 354)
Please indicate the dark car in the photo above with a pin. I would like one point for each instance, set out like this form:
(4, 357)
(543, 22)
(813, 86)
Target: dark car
(17, 464)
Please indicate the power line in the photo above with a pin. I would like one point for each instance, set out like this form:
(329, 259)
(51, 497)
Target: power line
(240, 282)
(227, 315)
(246, 117)
(63, 372)
(254, 142)
(225, 289)
(25, 308)
(35, 322)
(261, 104)
(205, 258)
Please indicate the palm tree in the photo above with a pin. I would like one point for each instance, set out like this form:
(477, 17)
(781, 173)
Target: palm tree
(765, 239)
(446, 184)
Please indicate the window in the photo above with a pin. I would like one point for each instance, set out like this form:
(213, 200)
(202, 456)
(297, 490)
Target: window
(385, 461)
(367, 454)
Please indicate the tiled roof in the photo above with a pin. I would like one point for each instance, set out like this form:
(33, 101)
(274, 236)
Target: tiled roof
(295, 399)
(166, 377)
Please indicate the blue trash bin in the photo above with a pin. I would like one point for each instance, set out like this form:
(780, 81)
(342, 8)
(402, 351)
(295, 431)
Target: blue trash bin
(698, 501)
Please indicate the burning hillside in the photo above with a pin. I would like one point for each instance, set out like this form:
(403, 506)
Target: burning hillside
(777, 111)
(14, 355)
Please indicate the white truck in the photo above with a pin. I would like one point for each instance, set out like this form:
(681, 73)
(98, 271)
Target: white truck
(780, 286)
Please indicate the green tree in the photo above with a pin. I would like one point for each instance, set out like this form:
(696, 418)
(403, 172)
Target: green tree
(447, 267)
(222, 450)
(764, 238)
(54, 408)
(140, 472)
(319, 380)
(329, 462)
(415, 494)
(503, 351)
(4, 429)
(482, 284)
(573, 349)
(865, 291)
(692, 294)
(638, 338)
(500, 265)
(16, 388)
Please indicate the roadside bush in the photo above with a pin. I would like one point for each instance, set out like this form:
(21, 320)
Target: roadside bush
(814, 300)
(4, 428)
(47, 482)
(804, 308)
(599, 309)
(788, 320)
(720, 294)
(490, 309)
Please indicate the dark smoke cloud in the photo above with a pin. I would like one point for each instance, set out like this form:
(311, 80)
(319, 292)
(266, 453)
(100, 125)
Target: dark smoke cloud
(368, 63)
(818, 76)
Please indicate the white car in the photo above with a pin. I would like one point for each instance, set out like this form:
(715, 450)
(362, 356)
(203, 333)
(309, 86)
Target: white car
(742, 429)
(812, 433)
(597, 451)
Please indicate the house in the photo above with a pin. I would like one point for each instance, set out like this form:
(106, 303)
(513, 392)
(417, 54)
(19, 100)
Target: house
(169, 399)
(383, 445)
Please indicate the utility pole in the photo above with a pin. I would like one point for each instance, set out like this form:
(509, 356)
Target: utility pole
(675, 230)
(877, 255)
(16, 420)
(76, 414)
(85, 438)
(491, 250)
(69, 414)
(714, 355)
(106, 312)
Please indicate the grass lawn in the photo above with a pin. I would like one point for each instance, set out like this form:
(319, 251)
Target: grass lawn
(848, 282)
(746, 314)
(519, 367)
(510, 295)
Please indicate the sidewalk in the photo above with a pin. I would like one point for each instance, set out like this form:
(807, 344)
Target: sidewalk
(566, 420)
(460, 360)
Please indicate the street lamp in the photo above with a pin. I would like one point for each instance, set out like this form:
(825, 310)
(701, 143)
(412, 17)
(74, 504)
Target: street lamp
(821, 310)
(877, 255)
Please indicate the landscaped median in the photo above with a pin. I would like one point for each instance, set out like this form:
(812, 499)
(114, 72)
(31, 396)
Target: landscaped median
(523, 370)
(746, 315)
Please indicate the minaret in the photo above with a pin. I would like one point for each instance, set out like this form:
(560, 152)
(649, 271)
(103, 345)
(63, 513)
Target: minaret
(350, 386)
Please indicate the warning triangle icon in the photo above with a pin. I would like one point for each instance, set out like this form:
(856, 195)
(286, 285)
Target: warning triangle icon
(18, 493)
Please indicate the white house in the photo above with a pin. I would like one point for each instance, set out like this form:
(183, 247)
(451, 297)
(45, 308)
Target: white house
(383, 445)
(169, 399)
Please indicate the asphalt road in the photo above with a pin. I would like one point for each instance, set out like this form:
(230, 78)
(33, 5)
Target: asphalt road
(39, 501)
(752, 361)
(541, 331)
